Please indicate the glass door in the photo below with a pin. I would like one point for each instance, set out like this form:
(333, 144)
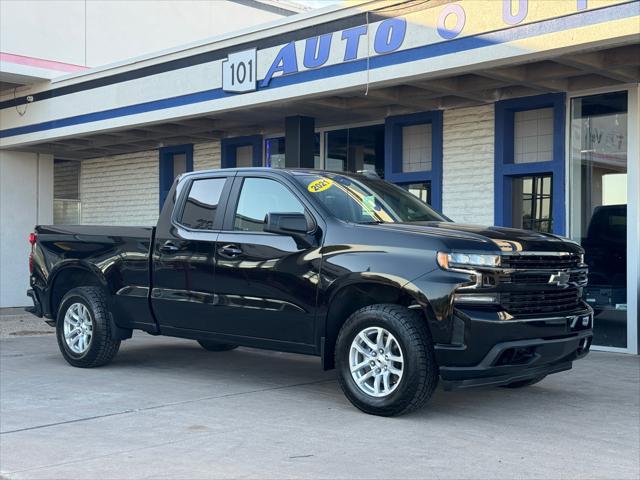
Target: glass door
(599, 142)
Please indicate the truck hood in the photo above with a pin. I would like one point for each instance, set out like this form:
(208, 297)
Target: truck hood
(501, 238)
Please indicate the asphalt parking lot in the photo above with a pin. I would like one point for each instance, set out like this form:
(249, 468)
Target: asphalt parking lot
(168, 409)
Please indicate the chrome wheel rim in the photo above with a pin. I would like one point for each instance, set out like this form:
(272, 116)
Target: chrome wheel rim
(78, 328)
(376, 361)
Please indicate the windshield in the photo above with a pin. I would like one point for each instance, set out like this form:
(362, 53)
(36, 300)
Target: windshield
(367, 200)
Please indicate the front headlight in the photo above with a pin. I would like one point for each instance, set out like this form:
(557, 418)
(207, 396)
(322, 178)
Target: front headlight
(467, 260)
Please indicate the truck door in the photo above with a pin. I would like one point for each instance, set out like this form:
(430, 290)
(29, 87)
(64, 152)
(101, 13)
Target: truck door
(266, 284)
(183, 255)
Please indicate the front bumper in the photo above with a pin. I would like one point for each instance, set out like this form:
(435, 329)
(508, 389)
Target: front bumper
(497, 352)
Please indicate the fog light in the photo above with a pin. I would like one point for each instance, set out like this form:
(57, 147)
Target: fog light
(477, 298)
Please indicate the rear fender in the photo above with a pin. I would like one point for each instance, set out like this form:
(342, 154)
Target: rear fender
(67, 271)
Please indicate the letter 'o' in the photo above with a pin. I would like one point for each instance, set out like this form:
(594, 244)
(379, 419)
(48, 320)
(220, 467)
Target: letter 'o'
(451, 9)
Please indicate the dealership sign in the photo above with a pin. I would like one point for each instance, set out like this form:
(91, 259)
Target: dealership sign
(453, 20)
(239, 72)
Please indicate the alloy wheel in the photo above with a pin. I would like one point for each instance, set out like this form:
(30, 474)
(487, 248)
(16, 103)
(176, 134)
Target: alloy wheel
(376, 361)
(78, 328)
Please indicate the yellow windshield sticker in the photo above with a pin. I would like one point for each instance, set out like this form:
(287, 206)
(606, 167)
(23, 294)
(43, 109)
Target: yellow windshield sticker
(319, 185)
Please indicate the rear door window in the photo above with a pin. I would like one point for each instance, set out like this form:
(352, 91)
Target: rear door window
(201, 206)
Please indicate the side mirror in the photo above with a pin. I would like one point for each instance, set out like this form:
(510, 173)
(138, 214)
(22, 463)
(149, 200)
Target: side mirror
(296, 225)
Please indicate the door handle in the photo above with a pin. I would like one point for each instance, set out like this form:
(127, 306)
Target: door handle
(230, 251)
(169, 247)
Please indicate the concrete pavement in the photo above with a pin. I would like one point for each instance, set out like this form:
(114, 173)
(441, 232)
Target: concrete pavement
(168, 409)
(15, 322)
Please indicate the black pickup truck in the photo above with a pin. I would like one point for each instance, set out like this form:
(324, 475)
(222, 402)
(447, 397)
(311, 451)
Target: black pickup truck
(347, 267)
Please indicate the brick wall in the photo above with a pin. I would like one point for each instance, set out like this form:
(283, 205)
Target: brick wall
(468, 156)
(123, 189)
(120, 189)
(206, 155)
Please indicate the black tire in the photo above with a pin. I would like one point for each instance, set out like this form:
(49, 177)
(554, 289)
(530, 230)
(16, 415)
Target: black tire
(102, 348)
(524, 383)
(420, 370)
(213, 346)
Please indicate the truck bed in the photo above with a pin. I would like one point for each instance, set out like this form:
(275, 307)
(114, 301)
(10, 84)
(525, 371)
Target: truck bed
(120, 254)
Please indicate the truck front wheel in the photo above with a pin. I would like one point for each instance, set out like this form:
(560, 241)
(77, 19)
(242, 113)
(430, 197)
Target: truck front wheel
(83, 328)
(385, 360)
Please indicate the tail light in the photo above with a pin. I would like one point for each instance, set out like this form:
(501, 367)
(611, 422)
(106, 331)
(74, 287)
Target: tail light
(33, 238)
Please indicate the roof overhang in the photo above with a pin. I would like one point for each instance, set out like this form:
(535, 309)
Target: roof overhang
(180, 96)
(20, 70)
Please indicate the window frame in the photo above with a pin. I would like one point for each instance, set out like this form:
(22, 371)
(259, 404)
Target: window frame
(393, 153)
(165, 169)
(178, 208)
(505, 170)
(229, 146)
(633, 204)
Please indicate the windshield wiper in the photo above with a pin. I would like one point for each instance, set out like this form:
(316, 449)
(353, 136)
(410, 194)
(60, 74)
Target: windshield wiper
(371, 222)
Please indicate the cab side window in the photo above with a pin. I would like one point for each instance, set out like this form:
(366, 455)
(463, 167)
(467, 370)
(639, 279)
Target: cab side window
(201, 205)
(260, 196)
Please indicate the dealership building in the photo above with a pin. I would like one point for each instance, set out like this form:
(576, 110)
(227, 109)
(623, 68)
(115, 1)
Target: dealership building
(515, 113)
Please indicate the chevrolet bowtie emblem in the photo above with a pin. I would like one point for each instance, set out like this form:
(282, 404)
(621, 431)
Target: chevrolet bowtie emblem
(561, 279)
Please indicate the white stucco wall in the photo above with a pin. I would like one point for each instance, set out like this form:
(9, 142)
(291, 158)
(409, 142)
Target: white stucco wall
(26, 199)
(124, 189)
(468, 159)
(100, 32)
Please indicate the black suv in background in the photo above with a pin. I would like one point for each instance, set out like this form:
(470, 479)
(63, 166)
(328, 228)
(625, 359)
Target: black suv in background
(348, 267)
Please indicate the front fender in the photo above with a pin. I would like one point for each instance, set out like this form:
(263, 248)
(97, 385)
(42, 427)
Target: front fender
(356, 278)
(439, 286)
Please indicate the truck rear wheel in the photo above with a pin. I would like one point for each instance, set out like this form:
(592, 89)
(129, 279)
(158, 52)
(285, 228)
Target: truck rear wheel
(83, 328)
(213, 346)
(385, 360)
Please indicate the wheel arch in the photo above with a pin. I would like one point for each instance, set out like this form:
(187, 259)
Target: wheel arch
(69, 276)
(361, 292)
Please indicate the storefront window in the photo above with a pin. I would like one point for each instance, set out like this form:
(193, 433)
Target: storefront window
(244, 156)
(241, 152)
(66, 192)
(533, 135)
(532, 203)
(420, 190)
(416, 148)
(356, 149)
(275, 152)
(599, 207)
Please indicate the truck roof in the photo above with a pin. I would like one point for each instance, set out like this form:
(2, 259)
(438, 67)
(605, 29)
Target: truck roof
(292, 171)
